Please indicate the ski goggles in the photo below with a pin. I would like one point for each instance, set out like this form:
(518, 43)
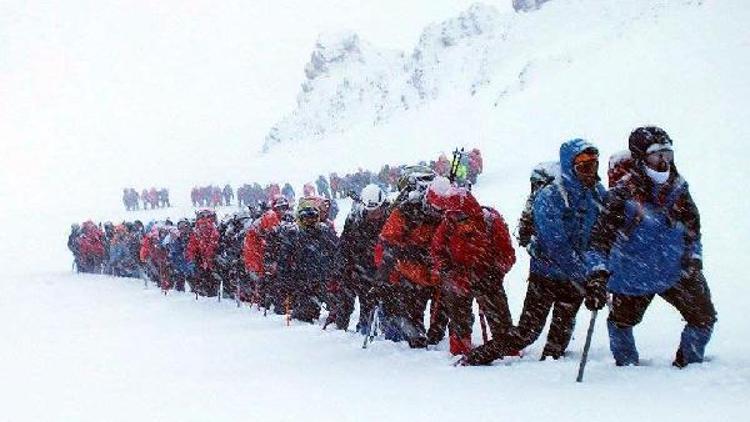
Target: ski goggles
(655, 158)
(307, 214)
(586, 163)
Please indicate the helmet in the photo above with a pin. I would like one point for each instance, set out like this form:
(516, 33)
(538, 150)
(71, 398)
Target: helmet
(372, 196)
(206, 213)
(644, 140)
(415, 178)
(279, 202)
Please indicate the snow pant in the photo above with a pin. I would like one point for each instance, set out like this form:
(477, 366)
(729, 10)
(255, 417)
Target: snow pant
(206, 282)
(457, 308)
(542, 295)
(493, 302)
(690, 296)
(357, 287)
(179, 280)
(165, 275)
(367, 301)
(232, 278)
(439, 318)
(90, 264)
(387, 294)
(339, 298)
(278, 295)
(305, 301)
(405, 309)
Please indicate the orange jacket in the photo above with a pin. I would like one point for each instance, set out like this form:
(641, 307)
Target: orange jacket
(407, 240)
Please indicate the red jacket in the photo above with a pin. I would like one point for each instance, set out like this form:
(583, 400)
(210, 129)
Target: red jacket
(470, 243)
(460, 243)
(407, 239)
(254, 245)
(147, 246)
(91, 243)
(202, 244)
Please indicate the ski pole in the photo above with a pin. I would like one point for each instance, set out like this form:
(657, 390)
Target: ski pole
(288, 315)
(587, 345)
(239, 289)
(221, 289)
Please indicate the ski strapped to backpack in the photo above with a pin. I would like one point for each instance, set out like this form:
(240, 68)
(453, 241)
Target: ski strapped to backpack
(455, 163)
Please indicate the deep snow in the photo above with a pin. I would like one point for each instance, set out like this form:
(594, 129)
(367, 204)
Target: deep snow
(93, 347)
(101, 348)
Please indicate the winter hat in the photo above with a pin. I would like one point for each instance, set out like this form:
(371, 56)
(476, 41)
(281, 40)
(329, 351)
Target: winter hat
(647, 139)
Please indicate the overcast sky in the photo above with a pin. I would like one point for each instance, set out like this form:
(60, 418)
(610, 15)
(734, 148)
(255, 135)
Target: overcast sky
(107, 92)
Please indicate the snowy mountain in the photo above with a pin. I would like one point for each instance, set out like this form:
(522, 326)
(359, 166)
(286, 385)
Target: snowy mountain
(350, 82)
(347, 80)
(484, 53)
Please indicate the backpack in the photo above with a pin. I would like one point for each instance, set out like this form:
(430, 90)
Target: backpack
(542, 176)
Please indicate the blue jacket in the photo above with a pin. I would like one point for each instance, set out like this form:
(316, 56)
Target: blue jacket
(121, 259)
(647, 235)
(177, 258)
(564, 214)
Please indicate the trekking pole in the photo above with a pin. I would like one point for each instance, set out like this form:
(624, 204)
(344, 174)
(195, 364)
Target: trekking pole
(144, 277)
(239, 290)
(287, 312)
(221, 289)
(587, 345)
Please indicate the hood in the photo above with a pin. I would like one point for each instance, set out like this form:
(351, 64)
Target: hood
(568, 152)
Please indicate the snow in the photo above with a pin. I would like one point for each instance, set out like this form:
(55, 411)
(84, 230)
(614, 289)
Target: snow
(179, 94)
(95, 347)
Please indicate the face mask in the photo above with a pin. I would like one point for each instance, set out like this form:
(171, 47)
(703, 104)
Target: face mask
(659, 177)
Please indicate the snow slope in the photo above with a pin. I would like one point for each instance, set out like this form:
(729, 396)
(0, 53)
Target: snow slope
(93, 347)
(101, 348)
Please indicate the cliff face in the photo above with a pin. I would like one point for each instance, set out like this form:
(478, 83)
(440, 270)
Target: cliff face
(350, 82)
(481, 59)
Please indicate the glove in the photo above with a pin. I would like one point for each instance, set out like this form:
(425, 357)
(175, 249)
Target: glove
(596, 291)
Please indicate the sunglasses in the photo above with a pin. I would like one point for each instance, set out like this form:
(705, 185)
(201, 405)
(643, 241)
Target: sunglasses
(658, 157)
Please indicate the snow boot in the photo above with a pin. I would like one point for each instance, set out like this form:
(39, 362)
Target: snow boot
(692, 345)
(622, 345)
